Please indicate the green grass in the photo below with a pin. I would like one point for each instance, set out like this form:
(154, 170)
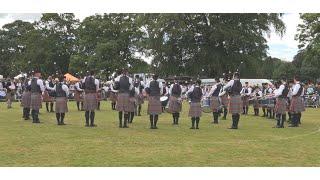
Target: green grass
(254, 144)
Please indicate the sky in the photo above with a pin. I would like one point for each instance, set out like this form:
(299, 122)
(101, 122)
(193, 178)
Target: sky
(285, 47)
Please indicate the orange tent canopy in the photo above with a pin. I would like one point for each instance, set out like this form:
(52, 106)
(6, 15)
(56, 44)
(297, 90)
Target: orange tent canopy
(71, 78)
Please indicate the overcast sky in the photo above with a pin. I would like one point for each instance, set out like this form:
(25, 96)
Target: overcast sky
(281, 47)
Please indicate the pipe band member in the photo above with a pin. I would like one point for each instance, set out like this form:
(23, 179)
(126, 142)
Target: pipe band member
(215, 101)
(175, 104)
(154, 90)
(235, 104)
(90, 102)
(296, 106)
(195, 94)
(37, 88)
(281, 103)
(61, 93)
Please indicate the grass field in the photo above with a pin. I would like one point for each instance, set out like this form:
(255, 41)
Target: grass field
(254, 144)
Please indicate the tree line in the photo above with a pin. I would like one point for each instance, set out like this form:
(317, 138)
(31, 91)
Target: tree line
(178, 44)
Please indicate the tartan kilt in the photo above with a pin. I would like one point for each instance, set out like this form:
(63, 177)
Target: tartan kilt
(132, 102)
(26, 99)
(245, 101)
(46, 97)
(123, 102)
(113, 96)
(224, 100)
(297, 105)
(140, 99)
(10, 96)
(281, 106)
(78, 96)
(215, 104)
(195, 109)
(61, 105)
(90, 102)
(175, 105)
(256, 104)
(36, 101)
(235, 104)
(99, 96)
(154, 105)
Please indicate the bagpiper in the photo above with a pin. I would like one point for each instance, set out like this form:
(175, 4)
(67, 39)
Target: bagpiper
(257, 95)
(175, 103)
(37, 88)
(245, 94)
(90, 103)
(123, 84)
(26, 100)
(235, 104)
(78, 94)
(224, 99)
(296, 106)
(49, 94)
(154, 90)
(281, 103)
(139, 85)
(195, 95)
(215, 101)
(61, 94)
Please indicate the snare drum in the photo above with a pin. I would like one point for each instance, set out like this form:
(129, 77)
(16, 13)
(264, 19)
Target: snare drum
(164, 101)
(206, 105)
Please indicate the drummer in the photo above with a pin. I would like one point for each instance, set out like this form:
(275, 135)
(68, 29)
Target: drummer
(256, 94)
(165, 93)
(215, 102)
(195, 111)
(175, 104)
(245, 94)
(224, 98)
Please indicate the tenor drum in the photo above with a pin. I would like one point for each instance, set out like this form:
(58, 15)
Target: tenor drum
(164, 101)
(206, 105)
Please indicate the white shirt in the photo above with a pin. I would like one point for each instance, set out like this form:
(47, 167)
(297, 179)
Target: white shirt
(39, 83)
(229, 84)
(295, 89)
(259, 93)
(213, 88)
(96, 82)
(278, 92)
(249, 91)
(190, 89)
(160, 86)
(77, 87)
(48, 86)
(130, 80)
(64, 88)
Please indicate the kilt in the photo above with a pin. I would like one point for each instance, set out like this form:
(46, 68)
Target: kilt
(90, 102)
(26, 99)
(99, 96)
(215, 103)
(175, 106)
(224, 100)
(245, 100)
(235, 105)
(78, 96)
(296, 105)
(154, 105)
(256, 104)
(10, 96)
(46, 97)
(36, 101)
(113, 96)
(140, 99)
(132, 102)
(281, 106)
(61, 105)
(271, 104)
(123, 102)
(195, 109)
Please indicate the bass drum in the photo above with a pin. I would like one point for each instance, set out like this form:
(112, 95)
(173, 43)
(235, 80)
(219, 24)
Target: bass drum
(206, 105)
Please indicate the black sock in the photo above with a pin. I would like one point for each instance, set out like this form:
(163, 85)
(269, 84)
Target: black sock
(299, 118)
(264, 111)
(92, 115)
(283, 119)
(120, 118)
(225, 112)
(215, 117)
(125, 117)
(156, 117)
(151, 121)
(37, 116)
(58, 118)
(99, 105)
(32, 115)
(87, 114)
(237, 120)
(174, 118)
(47, 106)
(247, 109)
(131, 116)
(193, 120)
(78, 106)
(197, 122)
(139, 110)
(27, 113)
(177, 118)
(24, 113)
(62, 118)
(51, 107)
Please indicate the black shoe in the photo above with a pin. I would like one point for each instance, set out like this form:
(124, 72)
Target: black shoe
(232, 128)
(125, 127)
(93, 125)
(223, 118)
(87, 125)
(155, 127)
(197, 127)
(292, 125)
(192, 128)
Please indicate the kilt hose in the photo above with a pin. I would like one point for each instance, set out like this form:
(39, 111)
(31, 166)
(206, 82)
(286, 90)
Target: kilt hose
(90, 102)
(113, 97)
(123, 102)
(297, 105)
(245, 101)
(132, 104)
(215, 104)
(195, 109)
(26, 99)
(140, 99)
(154, 105)
(235, 104)
(281, 106)
(61, 105)
(46, 97)
(224, 101)
(78, 96)
(256, 104)
(175, 106)
(36, 101)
